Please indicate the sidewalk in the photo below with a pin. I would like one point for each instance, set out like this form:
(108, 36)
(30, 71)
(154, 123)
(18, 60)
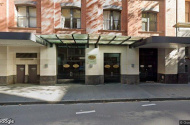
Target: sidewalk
(78, 93)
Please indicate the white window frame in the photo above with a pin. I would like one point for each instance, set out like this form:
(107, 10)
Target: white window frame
(71, 18)
(146, 20)
(111, 21)
(27, 16)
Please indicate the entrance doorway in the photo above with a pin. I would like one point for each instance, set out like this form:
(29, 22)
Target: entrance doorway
(32, 78)
(148, 63)
(71, 64)
(112, 67)
(20, 73)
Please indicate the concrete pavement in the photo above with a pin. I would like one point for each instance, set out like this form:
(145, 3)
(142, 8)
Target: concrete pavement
(78, 93)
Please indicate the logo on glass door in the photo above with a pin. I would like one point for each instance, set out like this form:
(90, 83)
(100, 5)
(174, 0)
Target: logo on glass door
(66, 65)
(75, 66)
(115, 66)
(107, 66)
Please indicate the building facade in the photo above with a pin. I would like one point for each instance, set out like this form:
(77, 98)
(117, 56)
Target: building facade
(94, 41)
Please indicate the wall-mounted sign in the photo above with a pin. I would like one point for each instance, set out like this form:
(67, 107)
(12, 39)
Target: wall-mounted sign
(107, 66)
(21, 69)
(91, 59)
(115, 66)
(75, 66)
(33, 69)
(66, 65)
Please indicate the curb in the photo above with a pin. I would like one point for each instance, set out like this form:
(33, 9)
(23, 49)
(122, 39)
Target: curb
(94, 101)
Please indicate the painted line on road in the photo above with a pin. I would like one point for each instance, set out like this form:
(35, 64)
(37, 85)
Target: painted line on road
(85, 112)
(148, 105)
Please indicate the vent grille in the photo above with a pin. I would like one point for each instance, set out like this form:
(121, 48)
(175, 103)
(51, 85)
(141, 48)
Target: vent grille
(26, 55)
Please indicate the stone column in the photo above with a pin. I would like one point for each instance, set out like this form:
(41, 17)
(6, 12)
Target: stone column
(48, 65)
(168, 65)
(93, 72)
(10, 66)
(182, 74)
(3, 65)
(130, 66)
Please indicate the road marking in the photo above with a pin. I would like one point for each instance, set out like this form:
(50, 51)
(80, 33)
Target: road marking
(148, 105)
(85, 112)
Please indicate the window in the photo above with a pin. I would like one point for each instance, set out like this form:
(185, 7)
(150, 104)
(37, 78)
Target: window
(111, 20)
(149, 21)
(187, 13)
(71, 18)
(26, 16)
(26, 55)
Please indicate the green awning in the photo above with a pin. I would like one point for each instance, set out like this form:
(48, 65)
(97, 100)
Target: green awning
(86, 39)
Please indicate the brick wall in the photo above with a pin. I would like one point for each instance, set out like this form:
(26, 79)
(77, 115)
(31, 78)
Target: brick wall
(49, 14)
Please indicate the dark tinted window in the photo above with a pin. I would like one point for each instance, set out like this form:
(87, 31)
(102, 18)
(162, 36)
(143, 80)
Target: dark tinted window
(26, 55)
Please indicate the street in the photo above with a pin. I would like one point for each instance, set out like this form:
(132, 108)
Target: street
(126, 113)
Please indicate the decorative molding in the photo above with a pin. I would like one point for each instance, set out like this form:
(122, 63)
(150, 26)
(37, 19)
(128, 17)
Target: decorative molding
(112, 7)
(70, 5)
(156, 9)
(32, 3)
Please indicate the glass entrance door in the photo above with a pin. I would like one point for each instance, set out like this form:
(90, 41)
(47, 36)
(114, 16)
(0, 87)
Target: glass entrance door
(71, 64)
(112, 67)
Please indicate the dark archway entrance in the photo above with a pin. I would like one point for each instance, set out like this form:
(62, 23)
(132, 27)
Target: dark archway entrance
(148, 64)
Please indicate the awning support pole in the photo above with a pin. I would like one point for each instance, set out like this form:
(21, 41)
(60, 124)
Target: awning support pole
(51, 45)
(58, 38)
(88, 41)
(97, 41)
(125, 40)
(112, 39)
(133, 45)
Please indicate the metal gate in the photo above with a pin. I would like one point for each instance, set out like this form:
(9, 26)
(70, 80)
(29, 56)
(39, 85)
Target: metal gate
(111, 67)
(71, 64)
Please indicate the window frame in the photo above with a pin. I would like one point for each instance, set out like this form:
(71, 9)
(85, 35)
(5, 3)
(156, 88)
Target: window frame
(71, 16)
(148, 23)
(27, 15)
(188, 2)
(111, 27)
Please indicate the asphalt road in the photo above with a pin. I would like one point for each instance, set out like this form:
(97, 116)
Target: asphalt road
(131, 113)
